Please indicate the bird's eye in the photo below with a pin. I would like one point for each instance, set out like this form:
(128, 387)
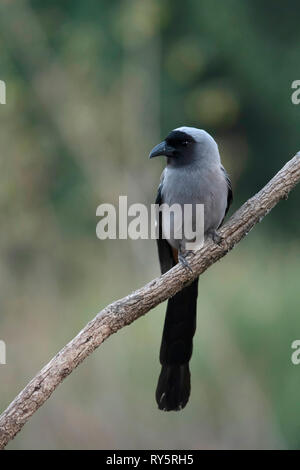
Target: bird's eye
(185, 143)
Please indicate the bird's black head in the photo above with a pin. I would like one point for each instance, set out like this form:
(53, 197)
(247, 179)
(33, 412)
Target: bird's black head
(176, 144)
(186, 144)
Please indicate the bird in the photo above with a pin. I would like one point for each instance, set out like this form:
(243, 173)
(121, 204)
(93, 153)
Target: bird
(193, 175)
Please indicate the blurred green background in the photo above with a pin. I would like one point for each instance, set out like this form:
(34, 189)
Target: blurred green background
(91, 88)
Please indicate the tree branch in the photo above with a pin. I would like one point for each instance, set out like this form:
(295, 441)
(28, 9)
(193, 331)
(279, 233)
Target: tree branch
(123, 312)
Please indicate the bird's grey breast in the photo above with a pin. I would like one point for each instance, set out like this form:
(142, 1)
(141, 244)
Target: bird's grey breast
(198, 184)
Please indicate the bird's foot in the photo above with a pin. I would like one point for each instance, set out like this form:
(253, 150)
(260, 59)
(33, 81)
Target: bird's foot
(182, 259)
(215, 236)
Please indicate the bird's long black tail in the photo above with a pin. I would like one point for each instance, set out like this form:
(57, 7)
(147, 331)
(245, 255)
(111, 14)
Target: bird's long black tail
(174, 383)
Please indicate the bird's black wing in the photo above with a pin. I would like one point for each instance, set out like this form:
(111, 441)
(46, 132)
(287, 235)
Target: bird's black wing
(229, 193)
(164, 249)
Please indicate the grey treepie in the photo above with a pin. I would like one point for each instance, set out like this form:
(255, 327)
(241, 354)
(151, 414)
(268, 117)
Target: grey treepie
(193, 175)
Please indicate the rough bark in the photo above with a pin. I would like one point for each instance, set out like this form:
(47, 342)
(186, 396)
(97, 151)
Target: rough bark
(124, 311)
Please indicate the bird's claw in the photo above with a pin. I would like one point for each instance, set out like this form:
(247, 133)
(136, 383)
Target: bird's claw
(182, 259)
(216, 238)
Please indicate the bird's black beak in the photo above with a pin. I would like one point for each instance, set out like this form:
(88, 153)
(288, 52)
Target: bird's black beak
(162, 149)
